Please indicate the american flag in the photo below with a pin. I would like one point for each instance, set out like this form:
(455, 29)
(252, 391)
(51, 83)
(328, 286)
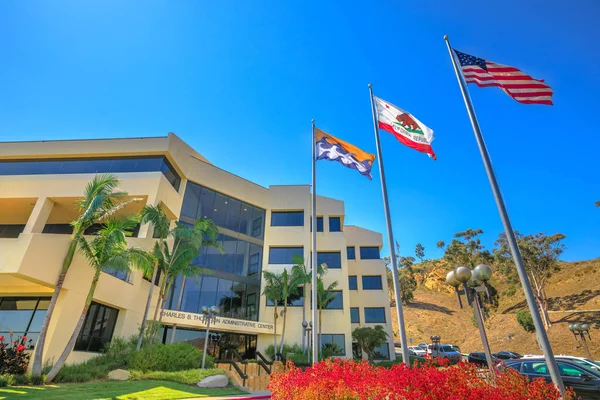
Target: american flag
(518, 85)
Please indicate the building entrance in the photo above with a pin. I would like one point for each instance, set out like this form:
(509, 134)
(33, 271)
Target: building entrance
(220, 344)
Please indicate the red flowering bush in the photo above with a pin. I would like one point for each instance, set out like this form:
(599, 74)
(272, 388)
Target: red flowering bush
(349, 380)
(13, 358)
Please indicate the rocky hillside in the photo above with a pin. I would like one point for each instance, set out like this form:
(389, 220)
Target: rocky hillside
(435, 311)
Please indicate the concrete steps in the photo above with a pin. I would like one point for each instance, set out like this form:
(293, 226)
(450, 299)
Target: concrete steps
(257, 378)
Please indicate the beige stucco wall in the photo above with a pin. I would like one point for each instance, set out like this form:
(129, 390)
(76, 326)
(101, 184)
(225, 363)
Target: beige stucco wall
(29, 265)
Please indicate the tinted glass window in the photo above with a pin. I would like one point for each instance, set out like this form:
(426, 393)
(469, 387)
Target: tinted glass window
(369, 253)
(352, 282)
(337, 303)
(246, 219)
(23, 316)
(335, 224)
(284, 255)
(372, 282)
(208, 295)
(319, 224)
(122, 275)
(332, 259)
(258, 223)
(63, 229)
(190, 208)
(351, 253)
(382, 352)
(287, 218)
(220, 209)
(570, 370)
(294, 300)
(11, 231)
(334, 342)
(255, 260)
(98, 328)
(374, 314)
(207, 202)
(354, 315)
(534, 367)
(91, 165)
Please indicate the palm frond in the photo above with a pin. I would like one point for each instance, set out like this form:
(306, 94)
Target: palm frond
(156, 216)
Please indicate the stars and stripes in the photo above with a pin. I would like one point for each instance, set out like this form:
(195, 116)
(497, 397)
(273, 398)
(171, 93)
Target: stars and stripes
(518, 85)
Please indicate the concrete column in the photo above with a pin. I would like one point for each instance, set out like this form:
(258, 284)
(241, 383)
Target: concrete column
(39, 216)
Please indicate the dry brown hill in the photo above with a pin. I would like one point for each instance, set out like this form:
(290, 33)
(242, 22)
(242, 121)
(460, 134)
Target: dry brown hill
(575, 288)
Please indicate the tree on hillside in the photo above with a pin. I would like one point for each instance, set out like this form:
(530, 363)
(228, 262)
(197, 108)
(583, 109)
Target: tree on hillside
(598, 203)
(420, 252)
(440, 244)
(406, 277)
(540, 254)
(466, 249)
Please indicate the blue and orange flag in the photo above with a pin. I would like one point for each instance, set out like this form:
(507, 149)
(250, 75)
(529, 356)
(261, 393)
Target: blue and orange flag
(333, 149)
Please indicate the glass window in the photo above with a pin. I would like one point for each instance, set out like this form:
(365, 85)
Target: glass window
(351, 253)
(191, 201)
(224, 296)
(374, 314)
(190, 301)
(284, 255)
(258, 223)
(287, 218)
(371, 282)
(569, 370)
(11, 231)
(319, 224)
(208, 295)
(333, 259)
(369, 253)
(119, 274)
(98, 328)
(234, 209)
(252, 298)
(220, 209)
(335, 342)
(62, 229)
(226, 260)
(352, 282)
(382, 352)
(534, 367)
(335, 224)
(296, 299)
(92, 165)
(337, 303)
(255, 260)
(354, 315)
(23, 316)
(237, 301)
(246, 219)
(207, 202)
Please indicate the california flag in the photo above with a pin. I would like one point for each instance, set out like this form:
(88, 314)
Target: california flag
(406, 128)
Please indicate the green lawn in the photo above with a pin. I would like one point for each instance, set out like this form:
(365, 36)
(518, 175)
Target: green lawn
(144, 390)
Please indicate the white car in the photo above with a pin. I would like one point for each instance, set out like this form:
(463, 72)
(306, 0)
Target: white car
(584, 362)
(417, 351)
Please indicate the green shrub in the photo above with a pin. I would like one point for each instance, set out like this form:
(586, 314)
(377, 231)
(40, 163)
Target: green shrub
(299, 358)
(295, 348)
(525, 320)
(187, 377)
(22, 379)
(169, 357)
(38, 380)
(510, 291)
(6, 380)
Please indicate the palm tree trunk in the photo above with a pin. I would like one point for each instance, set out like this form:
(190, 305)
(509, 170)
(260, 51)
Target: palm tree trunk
(283, 327)
(275, 332)
(71, 343)
(320, 331)
(37, 367)
(180, 297)
(147, 309)
(304, 319)
(164, 299)
(161, 293)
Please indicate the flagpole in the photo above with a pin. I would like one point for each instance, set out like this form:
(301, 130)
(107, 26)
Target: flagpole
(388, 222)
(315, 321)
(541, 334)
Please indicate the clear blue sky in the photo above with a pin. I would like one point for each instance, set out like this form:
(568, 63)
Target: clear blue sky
(241, 80)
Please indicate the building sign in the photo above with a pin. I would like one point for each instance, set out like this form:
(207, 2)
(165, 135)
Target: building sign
(192, 320)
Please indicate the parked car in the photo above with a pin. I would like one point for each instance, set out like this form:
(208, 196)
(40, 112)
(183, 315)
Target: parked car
(584, 381)
(455, 348)
(443, 351)
(417, 351)
(478, 358)
(507, 355)
(584, 362)
(423, 346)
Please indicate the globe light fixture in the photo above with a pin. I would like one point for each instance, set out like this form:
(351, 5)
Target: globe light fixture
(462, 274)
(580, 331)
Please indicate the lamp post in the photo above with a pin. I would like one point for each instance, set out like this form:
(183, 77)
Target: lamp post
(474, 282)
(210, 315)
(580, 330)
(306, 332)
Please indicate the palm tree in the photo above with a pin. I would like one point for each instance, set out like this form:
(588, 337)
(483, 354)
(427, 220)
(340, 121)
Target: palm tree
(100, 200)
(177, 262)
(157, 217)
(106, 250)
(289, 286)
(273, 292)
(324, 297)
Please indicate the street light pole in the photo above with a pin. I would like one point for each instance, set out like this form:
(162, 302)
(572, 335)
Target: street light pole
(474, 282)
(210, 314)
